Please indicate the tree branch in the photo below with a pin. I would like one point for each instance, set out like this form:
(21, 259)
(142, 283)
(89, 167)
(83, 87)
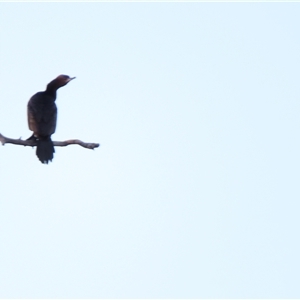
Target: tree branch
(5, 140)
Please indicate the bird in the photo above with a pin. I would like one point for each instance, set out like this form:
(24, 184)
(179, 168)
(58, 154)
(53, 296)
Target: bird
(42, 116)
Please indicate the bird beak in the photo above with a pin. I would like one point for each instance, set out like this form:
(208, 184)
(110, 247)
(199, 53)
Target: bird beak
(71, 78)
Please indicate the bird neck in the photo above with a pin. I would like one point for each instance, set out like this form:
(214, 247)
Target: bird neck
(52, 87)
(51, 93)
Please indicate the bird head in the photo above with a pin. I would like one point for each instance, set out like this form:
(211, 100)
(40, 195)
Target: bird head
(63, 80)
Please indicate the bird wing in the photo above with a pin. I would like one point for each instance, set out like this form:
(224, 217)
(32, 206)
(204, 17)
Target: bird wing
(42, 114)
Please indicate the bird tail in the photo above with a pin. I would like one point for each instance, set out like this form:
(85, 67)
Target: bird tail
(45, 149)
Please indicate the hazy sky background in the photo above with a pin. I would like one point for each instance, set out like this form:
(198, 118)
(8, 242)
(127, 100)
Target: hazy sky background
(194, 191)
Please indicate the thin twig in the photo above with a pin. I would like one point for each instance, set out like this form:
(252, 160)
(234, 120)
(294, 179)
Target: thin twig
(5, 140)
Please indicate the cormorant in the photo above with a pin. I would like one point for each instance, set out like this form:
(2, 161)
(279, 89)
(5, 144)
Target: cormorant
(42, 114)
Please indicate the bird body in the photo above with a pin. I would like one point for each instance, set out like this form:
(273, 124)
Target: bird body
(42, 117)
(42, 114)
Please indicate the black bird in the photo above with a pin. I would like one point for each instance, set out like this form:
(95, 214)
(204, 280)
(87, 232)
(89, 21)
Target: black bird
(42, 115)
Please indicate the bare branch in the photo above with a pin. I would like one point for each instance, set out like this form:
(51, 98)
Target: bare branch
(5, 140)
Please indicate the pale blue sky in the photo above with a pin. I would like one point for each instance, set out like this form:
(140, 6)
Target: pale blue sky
(194, 191)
